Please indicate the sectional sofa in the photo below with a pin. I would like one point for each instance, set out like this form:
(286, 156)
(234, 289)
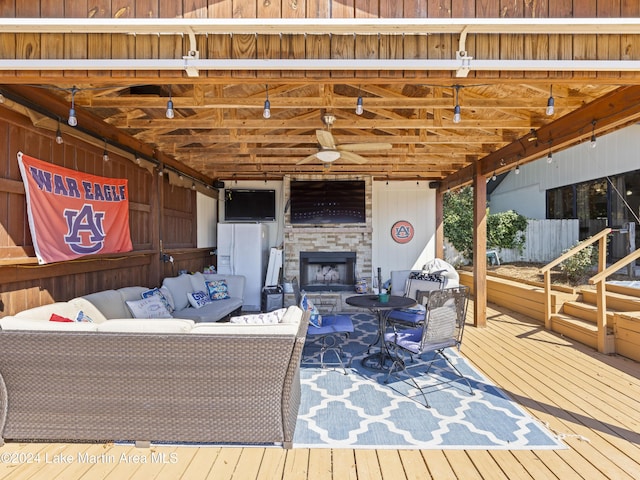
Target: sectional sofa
(149, 379)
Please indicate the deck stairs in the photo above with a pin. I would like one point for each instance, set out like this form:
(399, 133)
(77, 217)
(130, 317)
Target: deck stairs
(577, 318)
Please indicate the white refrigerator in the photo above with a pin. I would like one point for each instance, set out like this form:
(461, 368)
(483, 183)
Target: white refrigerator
(243, 250)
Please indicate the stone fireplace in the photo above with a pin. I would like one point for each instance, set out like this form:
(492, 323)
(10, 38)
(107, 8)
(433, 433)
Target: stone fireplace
(355, 239)
(327, 271)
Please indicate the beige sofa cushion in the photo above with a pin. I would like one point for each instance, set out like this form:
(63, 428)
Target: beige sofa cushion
(179, 287)
(219, 328)
(43, 312)
(15, 323)
(109, 302)
(144, 325)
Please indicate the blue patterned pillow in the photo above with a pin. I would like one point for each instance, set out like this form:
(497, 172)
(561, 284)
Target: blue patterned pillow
(218, 289)
(306, 304)
(156, 291)
(198, 299)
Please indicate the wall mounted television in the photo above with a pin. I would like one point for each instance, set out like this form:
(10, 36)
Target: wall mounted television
(244, 205)
(327, 201)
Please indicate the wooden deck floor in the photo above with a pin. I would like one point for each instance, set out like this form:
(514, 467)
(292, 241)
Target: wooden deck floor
(592, 400)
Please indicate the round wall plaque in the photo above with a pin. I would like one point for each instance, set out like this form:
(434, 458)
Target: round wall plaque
(402, 231)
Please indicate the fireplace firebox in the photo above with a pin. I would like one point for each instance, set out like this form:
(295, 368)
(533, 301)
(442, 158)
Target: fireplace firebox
(327, 271)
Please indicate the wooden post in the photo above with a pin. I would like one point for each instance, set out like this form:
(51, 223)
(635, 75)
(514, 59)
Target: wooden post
(547, 299)
(480, 247)
(439, 223)
(601, 297)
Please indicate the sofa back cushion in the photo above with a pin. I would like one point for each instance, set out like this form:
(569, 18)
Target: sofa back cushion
(109, 303)
(179, 287)
(15, 323)
(44, 312)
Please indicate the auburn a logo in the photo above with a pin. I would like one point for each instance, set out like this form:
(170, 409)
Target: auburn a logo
(402, 231)
(85, 233)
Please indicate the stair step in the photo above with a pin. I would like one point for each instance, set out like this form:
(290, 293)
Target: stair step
(585, 311)
(578, 329)
(615, 301)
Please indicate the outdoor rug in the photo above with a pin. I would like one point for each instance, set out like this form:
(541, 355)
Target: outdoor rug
(359, 410)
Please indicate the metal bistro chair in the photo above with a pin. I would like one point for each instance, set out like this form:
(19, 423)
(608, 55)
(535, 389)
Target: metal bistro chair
(414, 283)
(442, 328)
(329, 335)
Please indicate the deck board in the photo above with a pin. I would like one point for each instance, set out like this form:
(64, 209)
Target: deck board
(589, 398)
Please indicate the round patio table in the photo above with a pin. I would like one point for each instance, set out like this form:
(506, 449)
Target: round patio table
(378, 359)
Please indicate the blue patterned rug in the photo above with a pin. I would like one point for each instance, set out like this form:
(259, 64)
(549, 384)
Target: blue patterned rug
(359, 410)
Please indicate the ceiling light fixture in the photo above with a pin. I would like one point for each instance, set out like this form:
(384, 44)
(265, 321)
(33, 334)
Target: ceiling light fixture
(549, 157)
(593, 134)
(73, 120)
(359, 105)
(266, 113)
(105, 153)
(170, 113)
(456, 110)
(493, 177)
(59, 139)
(328, 156)
(551, 103)
(517, 170)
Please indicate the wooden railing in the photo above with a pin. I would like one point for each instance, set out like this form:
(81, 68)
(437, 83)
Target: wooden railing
(605, 343)
(600, 237)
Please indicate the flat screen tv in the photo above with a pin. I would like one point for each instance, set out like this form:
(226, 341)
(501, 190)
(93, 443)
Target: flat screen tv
(327, 201)
(243, 205)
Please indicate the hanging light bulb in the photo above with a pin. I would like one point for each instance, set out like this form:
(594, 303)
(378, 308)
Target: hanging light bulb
(59, 139)
(593, 134)
(359, 106)
(193, 186)
(517, 170)
(550, 157)
(550, 103)
(73, 120)
(105, 153)
(266, 113)
(170, 112)
(456, 110)
(493, 177)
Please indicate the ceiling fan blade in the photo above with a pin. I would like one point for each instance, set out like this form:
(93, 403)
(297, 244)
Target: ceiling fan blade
(364, 147)
(309, 159)
(352, 157)
(325, 138)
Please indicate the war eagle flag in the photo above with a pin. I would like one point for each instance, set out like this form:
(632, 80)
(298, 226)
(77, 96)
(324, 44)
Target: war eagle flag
(73, 214)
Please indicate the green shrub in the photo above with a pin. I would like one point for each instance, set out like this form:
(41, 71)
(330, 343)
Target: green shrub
(578, 267)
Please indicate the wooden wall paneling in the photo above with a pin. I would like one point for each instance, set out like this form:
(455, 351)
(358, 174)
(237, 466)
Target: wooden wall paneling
(293, 46)
(294, 9)
(585, 46)
(629, 48)
(536, 47)
(244, 46)
(317, 46)
(415, 46)
(99, 44)
(486, 46)
(171, 47)
(609, 46)
(440, 45)
(367, 46)
(218, 46)
(317, 8)
(560, 46)
(342, 46)
(147, 46)
(194, 8)
(268, 47)
(391, 46)
(75, 44)
(463, 9)
(269, 9)
(27, 44)
(342, 8)
(7, 40)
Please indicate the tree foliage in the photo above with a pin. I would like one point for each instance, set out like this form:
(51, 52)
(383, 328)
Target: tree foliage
(504, 230)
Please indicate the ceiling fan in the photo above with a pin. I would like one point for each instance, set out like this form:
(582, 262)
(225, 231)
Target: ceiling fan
(329, 151)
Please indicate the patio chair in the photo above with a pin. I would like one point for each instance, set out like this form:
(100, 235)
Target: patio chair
(329, 335)
(442, 328)
(414, 283)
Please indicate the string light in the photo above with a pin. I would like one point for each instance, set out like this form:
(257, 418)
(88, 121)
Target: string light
(593, 134)
(359, 105)
(266, 113)
(170, 113)
(517, 170)
(456, 110)
(105, 153)
(59, 139)
(550, 103)
(550, 157)
(73, 120)
(493, 177)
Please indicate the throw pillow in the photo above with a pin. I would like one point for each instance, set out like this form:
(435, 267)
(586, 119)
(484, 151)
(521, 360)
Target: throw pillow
(167, 294)
(197, 282)
(59, 318)
(198, 299)
(157, 292)
(83, 317)
(256, 318)
(151, 307)
(218, 289)
(315, 318)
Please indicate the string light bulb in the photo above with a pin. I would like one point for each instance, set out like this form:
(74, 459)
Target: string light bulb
(551, 103)
(266, 113)
(549, 157)
(170, 113)
(456, 110)
(73, 120)
(593, 134)
(517, 170)
(105, 153)
(359, 106)
(493, 177)
(59, 139)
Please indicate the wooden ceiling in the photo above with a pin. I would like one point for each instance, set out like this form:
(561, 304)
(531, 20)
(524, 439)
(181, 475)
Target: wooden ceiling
(219, 130)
